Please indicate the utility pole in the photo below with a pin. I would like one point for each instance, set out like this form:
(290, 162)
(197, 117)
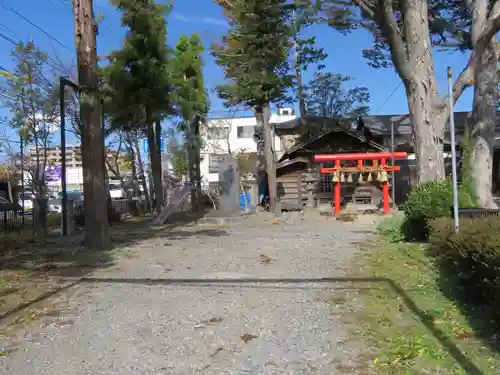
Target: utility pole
(298, 70)
(21, 139)
(94, 187)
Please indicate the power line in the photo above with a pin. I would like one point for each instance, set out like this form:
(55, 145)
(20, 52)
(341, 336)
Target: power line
(400, 83)
(8, 97)
(9, 140)
(8, 8)
(7, 38)
(65, 4)
(52, 64)
(8, 31)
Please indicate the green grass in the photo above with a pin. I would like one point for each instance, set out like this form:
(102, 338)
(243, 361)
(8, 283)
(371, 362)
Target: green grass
(414, 330)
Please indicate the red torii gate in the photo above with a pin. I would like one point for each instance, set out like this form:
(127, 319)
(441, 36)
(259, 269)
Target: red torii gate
(379, 166)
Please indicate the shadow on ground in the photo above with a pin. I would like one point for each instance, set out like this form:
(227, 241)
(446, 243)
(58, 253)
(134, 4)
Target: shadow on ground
(67, 257)
(478, 302)
(428, 321)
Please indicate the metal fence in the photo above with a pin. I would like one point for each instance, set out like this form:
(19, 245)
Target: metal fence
(477, 213)
(12, 219)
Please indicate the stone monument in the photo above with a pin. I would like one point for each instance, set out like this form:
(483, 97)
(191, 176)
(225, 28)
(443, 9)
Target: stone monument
(229, 185)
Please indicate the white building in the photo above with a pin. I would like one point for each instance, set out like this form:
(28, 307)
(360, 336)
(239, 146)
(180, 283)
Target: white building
(233, 135)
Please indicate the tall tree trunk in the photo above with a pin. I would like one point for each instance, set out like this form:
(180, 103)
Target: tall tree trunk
(260, 163)
(158, 173)
(96, 216)
(198, 160)
(300, 90)
(193, 141)
(141, 176)
(155, 169)
(428, 133)
(423, 95)
(135, 179)
(274, 201)
(484, 106)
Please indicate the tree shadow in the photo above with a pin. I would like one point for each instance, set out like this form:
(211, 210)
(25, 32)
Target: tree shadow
(427, 320)
(477, 300)
(67, 257)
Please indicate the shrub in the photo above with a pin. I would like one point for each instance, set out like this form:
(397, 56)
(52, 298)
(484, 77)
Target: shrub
(471, 256)
(53, 220)
(428, 201)
(11, 241)
(392, 227)
(440, 229)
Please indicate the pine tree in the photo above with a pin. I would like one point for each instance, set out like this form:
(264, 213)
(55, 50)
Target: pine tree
(138, 78)
(191, 103)
(254, 56)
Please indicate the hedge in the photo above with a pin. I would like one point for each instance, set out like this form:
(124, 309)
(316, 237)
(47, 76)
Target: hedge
(429, 201)
(470, 259)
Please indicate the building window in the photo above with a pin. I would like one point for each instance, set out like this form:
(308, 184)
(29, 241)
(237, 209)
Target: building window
(213, 163)
(246, 131)
(214, 133)
(325, 180)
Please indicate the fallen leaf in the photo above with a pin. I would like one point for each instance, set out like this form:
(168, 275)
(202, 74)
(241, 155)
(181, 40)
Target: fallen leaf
(247, 337)
(464, 335)
(212, 320)
(264, 259)
(217, 351)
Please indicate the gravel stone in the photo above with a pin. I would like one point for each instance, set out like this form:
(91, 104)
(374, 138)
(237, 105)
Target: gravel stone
(206, 328)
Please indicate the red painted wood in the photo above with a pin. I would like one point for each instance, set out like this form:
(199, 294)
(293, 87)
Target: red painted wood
(385, 194)
(354, 169)
(359, 156)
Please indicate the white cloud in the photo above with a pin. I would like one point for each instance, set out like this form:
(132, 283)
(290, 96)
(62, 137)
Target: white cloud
(200, 20)
(181, 17)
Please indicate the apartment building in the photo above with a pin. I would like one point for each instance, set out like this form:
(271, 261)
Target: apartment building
(54, 155)
(234, 135)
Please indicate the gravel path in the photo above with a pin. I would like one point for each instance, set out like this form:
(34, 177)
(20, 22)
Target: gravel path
(231, 328)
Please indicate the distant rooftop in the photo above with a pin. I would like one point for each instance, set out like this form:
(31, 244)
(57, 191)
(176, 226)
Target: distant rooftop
(381, 124)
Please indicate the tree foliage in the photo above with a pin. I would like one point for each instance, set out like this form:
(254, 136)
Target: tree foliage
(254, 57)
(179, 162)
(190, 97)
(326, 96)
(403, 35)
(33, 115)
(254, 53)
(137, 77)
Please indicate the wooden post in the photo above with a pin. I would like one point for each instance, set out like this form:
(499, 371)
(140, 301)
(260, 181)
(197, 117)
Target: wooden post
(385, 191)
(336, 197)
(374, 156)
(96, 235)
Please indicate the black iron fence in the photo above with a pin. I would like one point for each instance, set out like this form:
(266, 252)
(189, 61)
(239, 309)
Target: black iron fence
(13, 219)
(477, 213)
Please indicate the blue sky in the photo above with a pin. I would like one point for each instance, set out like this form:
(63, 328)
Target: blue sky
(206, 18)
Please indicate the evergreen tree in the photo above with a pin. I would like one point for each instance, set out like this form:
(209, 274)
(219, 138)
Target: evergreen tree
(254, 57)
(191, 103)
(306, 51)
(138, 78)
